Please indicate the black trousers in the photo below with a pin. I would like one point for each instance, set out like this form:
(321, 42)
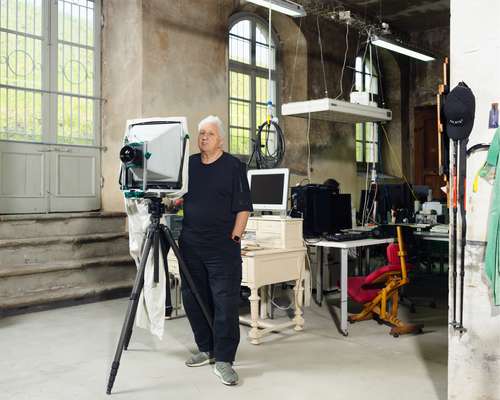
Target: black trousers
(216, 272)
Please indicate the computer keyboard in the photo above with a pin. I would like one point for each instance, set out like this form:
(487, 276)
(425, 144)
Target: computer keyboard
(347, 236)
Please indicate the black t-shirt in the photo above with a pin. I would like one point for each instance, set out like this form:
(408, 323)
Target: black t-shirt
(216, 193)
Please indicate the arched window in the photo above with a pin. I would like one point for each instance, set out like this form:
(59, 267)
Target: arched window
(248, 80)
(366, 79)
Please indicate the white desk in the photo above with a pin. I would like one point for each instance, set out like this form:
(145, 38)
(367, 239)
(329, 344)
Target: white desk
(433, 236)
(344, 249)
(265, 267)
(261, 268)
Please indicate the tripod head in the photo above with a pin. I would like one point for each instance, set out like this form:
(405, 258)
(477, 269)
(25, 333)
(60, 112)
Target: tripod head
(156, 208)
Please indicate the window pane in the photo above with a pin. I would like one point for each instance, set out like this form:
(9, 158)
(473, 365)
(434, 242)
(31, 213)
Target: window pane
(369, 147)
(359, 76)
(359, 132)
(262, 90)
(241, 29)
(262, 48)
(20, 115)
(239, 114)
(75, 120)
(239, 49)
(20, 67)
(20, 61)
(261, 34)
(239, 85)
(76, 21)
(22, 16)
(371, 81)
(359, 152)
(75, 70)
(239, 141)
(369, 131)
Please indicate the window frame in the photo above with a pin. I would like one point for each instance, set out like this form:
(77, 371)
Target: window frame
(362, 165)
(254, 72)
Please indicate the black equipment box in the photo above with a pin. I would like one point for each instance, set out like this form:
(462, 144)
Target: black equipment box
(323, 210)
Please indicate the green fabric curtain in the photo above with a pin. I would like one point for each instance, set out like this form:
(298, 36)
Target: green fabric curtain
(492, 260)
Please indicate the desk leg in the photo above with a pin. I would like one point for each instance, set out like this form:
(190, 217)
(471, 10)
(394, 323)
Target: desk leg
(264, 300)
(254, 311)
(299, 294)
(367, 267)
(319, 275)
(343, 291)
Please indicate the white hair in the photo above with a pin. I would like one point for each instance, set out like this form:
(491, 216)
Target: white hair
(215, 120)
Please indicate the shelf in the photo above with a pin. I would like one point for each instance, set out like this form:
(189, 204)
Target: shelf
(336, 111)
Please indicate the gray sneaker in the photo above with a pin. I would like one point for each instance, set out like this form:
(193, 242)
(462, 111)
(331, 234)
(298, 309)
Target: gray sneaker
(226, 373)
(199, 359)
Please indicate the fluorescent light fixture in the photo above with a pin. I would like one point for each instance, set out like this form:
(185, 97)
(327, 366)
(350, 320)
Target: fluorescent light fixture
(336, 111)
(282, 6)
(400, 48)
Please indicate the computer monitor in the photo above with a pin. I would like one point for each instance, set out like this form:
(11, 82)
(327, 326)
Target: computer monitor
(388, 196)
(269, 189)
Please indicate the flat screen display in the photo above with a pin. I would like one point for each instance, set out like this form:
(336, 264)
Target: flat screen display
(267, 189)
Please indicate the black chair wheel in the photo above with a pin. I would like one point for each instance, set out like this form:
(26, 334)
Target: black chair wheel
(395, 335)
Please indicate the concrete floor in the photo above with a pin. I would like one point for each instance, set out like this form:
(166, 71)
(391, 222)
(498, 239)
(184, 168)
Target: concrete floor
(66, 354)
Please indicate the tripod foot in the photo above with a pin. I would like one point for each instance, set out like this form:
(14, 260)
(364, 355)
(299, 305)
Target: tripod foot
(112, 376)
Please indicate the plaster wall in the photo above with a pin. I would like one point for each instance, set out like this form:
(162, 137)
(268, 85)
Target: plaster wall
(474, 356)
(122, 70)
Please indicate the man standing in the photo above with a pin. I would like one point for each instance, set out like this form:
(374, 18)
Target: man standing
(216, 210)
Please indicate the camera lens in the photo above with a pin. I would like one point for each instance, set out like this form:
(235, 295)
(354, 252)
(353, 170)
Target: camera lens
(129, 154)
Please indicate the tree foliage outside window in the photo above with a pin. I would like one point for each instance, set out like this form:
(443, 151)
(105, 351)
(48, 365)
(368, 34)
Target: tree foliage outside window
(48, 70)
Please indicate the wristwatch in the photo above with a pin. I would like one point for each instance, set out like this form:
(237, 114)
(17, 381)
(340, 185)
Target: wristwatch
(236, 238)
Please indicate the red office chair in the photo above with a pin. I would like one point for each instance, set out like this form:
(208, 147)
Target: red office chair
(376, 289)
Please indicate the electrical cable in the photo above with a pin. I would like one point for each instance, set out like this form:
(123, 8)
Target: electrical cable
(398, 163)
(365, 204)
(379, 74)
(295, 60)
(281, 308)
(321, 54)
(264, 158)
(345, 59)
(308, 147)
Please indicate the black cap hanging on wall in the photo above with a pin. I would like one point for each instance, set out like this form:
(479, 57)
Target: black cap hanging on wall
(459, 110)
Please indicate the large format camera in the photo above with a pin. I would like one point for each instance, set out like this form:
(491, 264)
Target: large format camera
(154, 158)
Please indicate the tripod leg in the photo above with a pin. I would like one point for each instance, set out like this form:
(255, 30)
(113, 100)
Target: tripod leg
(129, 317)
(463, 213)
(156, 256)
(186, 275)
(454, 232)
(144, 258)
(165, 247)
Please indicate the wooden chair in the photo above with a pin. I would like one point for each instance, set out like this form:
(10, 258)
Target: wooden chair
(375, 290)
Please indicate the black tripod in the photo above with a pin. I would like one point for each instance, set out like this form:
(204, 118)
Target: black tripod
(158, 236)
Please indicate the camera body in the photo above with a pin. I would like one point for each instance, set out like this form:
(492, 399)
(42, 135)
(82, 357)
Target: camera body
(154, 158)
